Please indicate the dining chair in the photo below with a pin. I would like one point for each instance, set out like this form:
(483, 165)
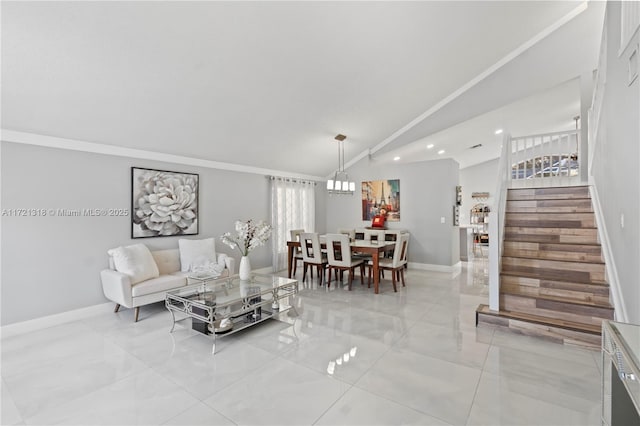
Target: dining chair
(348, 231)
(340, 258)
(297, 254)
(312, 254)
(376, 236)
(395, 264)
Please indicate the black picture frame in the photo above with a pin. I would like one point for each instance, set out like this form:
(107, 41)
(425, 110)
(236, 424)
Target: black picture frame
(164, 203)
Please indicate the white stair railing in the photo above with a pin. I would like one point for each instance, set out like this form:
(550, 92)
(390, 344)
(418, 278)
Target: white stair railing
(550, 159)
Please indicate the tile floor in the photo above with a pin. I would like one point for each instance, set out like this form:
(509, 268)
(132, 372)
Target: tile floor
(349, 358)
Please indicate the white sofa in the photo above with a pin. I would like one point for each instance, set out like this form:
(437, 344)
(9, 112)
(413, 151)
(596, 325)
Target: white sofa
(125, 290)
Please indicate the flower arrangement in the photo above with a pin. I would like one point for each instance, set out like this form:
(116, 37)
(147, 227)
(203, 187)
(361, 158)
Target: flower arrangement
(249, 235)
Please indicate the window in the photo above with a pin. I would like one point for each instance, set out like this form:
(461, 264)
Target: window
(293, 205)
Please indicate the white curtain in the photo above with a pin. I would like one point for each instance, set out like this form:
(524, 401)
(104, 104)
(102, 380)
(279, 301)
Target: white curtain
(293, 206)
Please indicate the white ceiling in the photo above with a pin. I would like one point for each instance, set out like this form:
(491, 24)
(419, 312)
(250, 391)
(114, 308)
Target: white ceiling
(269, 84)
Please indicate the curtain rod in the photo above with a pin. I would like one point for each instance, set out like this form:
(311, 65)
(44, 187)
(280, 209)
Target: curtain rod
(287, 179)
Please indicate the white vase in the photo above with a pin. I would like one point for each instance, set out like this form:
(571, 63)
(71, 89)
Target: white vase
(245, 268)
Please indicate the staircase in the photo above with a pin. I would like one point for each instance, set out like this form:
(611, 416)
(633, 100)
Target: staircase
(552, 279)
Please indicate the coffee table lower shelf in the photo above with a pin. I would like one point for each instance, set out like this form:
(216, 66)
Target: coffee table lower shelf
(239, 323)
(245, 303)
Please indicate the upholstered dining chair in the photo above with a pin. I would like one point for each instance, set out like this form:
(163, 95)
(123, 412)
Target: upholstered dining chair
(396, 263)
(348, 231)
(312, 254)
(297, 254)
(371, 235)
(340, 258)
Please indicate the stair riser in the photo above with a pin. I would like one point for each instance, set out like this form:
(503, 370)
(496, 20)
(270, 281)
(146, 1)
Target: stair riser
(553, 255)
(550, 269)
(592, 250)
(555, 274)
(551, 220)
(549, 206)
(554, 334)
(562, 193)
(552, 235)
(558, 310)
(601, 291)
(576, 296)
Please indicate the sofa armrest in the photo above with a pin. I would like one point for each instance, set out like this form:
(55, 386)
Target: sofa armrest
(116, 286)
(229, 262)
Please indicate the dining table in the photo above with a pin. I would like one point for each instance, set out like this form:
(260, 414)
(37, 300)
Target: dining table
(374, 248)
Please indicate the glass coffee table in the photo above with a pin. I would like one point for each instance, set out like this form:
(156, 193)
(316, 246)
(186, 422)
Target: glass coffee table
(227, 305)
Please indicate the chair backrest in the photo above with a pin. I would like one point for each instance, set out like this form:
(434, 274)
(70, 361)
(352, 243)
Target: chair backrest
(310, 245)
(348, 231)
(338, 250)
(400, 251)
(371, 235)
(295, 236)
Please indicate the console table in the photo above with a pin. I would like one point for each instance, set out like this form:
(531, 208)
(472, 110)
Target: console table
(620, 374)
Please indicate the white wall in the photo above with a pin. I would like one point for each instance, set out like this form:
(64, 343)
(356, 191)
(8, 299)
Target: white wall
(427, 193)
(52, 264)
(615, 171)
(481, 177)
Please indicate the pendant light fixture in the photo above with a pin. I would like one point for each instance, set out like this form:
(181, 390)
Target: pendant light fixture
(340, 184)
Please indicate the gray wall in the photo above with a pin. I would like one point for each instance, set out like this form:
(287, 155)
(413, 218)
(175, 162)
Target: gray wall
(427, 193)
(482, 177)
(615, 170)
(51, 264)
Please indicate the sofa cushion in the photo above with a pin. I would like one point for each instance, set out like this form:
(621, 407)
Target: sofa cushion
(168, 261)
(135, 261)
(155, 285)
(196, 252)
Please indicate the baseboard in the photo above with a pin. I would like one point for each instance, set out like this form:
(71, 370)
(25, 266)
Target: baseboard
(611, 270)
(455, 268)
(53, 320)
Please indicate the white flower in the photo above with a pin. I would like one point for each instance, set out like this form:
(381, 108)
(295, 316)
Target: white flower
(166, 203)
(249, 235)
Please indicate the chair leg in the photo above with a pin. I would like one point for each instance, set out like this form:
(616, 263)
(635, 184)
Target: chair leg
(136, 313)
(320, 274)
(295, 266)
(393, 280)
(402, 276)
(117, 308)
(329, 278)
(350, 277)
(304, 271)
(369, 280)
(362, 274)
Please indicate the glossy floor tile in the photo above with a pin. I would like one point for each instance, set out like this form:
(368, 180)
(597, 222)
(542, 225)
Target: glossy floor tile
(347, 357)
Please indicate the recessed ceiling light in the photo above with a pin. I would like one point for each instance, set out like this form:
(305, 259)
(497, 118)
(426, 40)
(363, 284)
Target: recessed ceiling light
(430, 146)
(441, 152)
(498, 131)
(396, 158)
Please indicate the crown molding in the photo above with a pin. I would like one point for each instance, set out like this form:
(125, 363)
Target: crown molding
(14, 136)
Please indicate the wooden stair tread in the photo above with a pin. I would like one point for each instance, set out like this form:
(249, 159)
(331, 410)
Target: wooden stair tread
(515, 292)
(536, 275)
(569, 325)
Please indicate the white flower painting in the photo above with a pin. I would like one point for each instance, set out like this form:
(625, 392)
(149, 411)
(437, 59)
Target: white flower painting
(163, 203)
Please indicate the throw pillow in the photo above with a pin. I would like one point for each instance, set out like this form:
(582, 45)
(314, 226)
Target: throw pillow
(135, 261)
(194, 253)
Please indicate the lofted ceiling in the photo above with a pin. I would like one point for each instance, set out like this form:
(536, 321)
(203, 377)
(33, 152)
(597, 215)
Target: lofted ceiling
(269, 84)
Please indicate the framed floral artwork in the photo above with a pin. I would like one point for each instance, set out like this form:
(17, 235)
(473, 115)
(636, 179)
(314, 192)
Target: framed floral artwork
(163, 203)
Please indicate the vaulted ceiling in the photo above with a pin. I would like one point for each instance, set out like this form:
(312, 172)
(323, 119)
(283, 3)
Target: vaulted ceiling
(269, 84)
